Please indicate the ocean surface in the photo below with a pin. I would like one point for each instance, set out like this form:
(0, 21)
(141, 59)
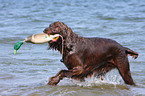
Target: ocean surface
(27, 72)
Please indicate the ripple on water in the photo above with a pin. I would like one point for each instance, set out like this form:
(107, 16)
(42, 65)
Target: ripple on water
(6, 76)
(27, 72)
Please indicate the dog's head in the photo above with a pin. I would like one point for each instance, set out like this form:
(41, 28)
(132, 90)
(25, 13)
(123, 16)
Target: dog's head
(64, 32)
(57, 28)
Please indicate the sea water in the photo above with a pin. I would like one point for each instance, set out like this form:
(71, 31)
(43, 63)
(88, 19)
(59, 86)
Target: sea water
(27, 72)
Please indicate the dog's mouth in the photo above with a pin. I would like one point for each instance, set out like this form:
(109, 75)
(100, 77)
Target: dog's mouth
(42, 38)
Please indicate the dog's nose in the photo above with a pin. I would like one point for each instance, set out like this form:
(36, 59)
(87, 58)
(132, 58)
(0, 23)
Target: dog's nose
(47, 30)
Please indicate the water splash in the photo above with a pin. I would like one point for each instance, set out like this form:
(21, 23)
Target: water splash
(112, 77)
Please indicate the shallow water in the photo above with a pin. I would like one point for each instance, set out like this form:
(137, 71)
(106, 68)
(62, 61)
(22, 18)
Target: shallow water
(27, 72)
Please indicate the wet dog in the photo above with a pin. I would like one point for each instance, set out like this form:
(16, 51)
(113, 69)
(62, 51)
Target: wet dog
(85, 56)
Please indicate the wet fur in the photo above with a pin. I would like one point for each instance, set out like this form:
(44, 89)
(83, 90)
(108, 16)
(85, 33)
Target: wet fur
(85, 56)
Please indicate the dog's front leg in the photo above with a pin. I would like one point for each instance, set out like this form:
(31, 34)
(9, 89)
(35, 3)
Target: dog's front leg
(55, 79)
(65, 73)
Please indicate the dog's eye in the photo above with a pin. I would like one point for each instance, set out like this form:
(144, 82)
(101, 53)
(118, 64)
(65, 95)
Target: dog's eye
(45, 36)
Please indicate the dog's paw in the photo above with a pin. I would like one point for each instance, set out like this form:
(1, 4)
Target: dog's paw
(53, 81)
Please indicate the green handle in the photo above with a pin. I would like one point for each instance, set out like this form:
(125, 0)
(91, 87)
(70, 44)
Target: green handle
(17, 46)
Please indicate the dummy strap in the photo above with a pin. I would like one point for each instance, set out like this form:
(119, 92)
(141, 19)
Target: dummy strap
(62, 49)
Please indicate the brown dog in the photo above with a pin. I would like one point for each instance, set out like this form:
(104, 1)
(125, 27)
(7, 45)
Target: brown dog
(85, 56)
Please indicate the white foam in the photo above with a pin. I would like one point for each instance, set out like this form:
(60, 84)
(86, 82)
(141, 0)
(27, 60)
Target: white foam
(112, 77)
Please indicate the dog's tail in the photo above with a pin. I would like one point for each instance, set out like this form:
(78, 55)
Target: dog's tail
(130, 52)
